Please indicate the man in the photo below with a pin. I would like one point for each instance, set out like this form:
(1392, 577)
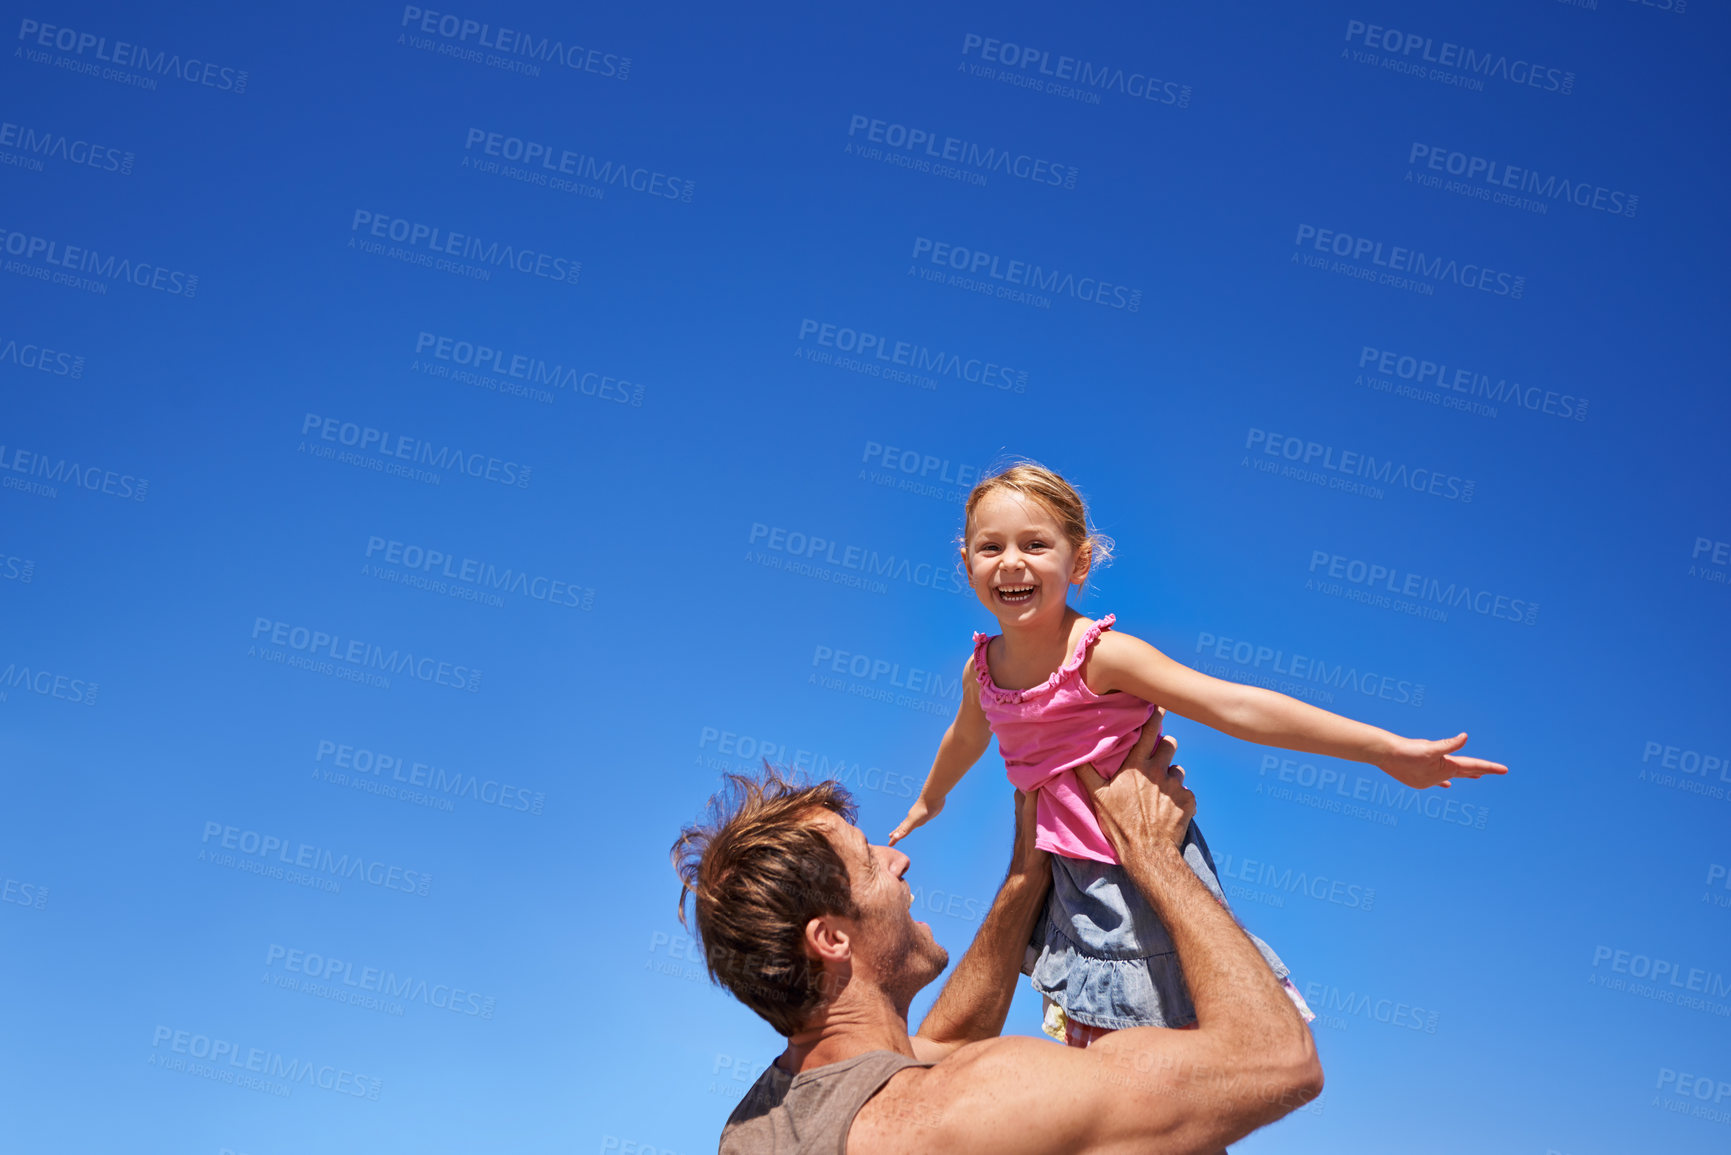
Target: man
(808, 924)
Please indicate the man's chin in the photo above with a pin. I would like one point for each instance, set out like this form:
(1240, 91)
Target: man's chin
(935, 953)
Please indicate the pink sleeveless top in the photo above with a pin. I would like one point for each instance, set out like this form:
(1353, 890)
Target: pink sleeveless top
(1048, 730)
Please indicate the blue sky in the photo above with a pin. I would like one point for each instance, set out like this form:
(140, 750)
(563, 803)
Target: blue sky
(1306, 283)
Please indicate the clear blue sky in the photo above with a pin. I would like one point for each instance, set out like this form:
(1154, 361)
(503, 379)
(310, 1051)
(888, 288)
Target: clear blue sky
(552, 354)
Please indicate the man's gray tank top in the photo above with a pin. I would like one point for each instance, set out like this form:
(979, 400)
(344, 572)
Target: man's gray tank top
(808, 1113)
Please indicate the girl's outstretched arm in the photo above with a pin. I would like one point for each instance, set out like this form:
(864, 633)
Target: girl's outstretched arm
(1121, 662)
(964, 742)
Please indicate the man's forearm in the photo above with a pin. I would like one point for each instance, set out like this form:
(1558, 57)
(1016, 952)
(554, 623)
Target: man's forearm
(976, 1000)
(1230, 983)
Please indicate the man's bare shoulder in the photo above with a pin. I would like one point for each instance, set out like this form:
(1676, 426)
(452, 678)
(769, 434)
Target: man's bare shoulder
(933, 1108)
(1025, 1096)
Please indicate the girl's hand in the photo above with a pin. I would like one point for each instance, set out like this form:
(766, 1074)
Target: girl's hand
(1421, 763)
(920, 813)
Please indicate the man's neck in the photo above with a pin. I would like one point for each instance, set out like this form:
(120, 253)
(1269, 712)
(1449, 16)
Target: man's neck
(853, 1025)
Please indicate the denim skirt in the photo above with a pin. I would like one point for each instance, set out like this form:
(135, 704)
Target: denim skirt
(1101, 953)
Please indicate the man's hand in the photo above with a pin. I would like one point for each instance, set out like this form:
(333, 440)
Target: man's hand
(1421, 764)
(1146, 802)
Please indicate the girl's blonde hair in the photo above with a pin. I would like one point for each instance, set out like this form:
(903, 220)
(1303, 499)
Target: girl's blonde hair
(1033, 480)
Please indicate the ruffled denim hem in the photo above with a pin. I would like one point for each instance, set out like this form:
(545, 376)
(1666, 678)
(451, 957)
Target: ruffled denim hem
(1102, 954)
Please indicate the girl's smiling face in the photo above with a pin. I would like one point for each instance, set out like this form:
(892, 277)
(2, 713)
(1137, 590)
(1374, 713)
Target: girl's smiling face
(1019, 561)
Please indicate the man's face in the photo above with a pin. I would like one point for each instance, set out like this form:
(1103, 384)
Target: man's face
(896, 953)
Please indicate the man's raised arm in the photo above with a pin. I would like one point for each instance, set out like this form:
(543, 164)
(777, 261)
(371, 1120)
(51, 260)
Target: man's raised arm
(976, 999)
(1250, 1061)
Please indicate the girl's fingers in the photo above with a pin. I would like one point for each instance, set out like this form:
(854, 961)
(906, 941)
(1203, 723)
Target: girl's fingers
(1473, 767)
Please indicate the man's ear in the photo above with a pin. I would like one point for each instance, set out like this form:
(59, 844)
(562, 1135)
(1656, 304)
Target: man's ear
(826, 940)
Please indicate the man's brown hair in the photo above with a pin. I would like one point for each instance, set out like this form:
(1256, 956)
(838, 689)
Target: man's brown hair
(758, 870)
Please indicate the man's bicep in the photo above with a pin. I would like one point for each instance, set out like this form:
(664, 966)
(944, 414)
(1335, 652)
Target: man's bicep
(1022, 1096)
(930, 1050)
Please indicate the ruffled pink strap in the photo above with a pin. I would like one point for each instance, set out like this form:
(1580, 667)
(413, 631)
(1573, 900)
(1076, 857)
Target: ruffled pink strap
(982, 671)
(1087, 643)
(991, 690)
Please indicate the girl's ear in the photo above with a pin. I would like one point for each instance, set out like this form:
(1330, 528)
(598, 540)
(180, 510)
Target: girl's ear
(1084, 559)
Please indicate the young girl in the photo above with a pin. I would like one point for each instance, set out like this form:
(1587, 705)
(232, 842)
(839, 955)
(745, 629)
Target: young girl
(1059, 690)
